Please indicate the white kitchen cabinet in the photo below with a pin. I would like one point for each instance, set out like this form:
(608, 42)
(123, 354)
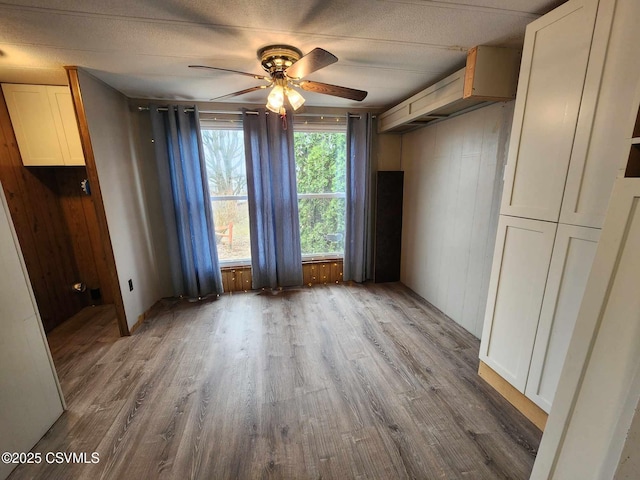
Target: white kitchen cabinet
(44, 122)
(30, 398)
(548, 104)
(573, 254)
(519, 272)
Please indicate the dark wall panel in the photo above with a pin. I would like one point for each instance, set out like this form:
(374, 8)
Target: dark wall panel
(388, 226)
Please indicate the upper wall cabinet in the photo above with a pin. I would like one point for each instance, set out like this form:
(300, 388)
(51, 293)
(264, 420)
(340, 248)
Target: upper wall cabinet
(44, 122)
(548, 106)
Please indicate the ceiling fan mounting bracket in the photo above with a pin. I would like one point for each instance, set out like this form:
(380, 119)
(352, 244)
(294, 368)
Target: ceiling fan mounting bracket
(277, 58)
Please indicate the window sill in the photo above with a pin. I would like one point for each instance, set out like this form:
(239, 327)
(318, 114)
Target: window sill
(232, 264)
(321, 258)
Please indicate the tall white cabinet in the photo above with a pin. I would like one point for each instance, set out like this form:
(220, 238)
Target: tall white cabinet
(30, 398)
(556, 191)
(593, 429)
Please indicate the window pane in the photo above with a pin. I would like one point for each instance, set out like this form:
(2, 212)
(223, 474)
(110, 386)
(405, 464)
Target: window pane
(321, 173)
(224, 156)
(321, 225)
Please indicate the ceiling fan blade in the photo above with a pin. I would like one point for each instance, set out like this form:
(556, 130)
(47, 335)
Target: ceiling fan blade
(335, 90)
(242, 92)
(311, 62)
(259, 77)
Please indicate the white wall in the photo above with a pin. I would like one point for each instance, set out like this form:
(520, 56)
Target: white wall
(145, 154)
(124, 182)
(453, 182)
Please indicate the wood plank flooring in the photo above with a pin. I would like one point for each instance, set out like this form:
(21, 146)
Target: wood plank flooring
(329, 382)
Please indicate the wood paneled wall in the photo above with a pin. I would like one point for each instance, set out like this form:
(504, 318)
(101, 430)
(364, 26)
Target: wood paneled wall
(238, 279)
(79, 215)
(55, 224)
(322, 272)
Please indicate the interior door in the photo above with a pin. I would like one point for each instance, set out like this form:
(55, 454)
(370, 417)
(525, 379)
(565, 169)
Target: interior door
(30, 398)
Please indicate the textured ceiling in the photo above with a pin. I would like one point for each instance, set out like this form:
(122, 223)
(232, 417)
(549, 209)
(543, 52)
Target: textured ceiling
(391, 48)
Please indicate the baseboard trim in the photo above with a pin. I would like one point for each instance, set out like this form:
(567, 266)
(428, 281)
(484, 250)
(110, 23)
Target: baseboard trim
(533, 412)
(141, 319)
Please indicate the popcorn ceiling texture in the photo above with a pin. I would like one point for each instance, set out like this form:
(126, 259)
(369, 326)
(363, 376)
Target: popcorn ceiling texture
(391, 48)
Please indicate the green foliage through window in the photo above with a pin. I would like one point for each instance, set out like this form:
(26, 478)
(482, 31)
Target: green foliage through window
(321, 177)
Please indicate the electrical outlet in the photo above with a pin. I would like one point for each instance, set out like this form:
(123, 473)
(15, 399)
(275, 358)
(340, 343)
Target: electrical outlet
(130, 285)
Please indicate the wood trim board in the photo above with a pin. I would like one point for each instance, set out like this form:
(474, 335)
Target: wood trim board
(529, 409)
(92, 173)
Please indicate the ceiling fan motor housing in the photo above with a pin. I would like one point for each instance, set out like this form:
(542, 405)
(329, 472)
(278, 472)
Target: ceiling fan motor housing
(277, 58)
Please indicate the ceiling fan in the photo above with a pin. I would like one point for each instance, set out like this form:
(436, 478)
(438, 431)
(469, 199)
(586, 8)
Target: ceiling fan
(286, 68)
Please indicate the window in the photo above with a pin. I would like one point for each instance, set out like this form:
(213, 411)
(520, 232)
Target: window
(224, 156)
(321, 177)
(320, 153)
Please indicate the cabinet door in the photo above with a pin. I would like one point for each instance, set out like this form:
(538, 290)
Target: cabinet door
(64, 117)
(33, 124)
(30, 401)
(552, 76)
(602, 138)
(573, 253)
(518, 275)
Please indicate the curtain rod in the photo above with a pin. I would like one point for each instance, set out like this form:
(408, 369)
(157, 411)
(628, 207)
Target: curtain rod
(248, 112)
(192, 109)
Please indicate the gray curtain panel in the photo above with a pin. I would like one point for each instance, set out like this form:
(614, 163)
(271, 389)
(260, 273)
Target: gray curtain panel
(358, 246)
(186, 201)
(276, 259)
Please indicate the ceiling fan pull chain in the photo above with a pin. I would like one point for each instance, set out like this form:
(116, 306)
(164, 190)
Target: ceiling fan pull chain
(283, 117)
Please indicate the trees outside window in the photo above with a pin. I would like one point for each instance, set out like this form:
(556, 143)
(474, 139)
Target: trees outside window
(321, 177)
(225, 160)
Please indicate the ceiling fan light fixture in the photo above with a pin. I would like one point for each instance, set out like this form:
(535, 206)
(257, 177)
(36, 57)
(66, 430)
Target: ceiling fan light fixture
(295, 99)
(275, 100)
(287, 68)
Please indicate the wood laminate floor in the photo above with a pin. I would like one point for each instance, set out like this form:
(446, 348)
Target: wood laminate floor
(329, 382)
